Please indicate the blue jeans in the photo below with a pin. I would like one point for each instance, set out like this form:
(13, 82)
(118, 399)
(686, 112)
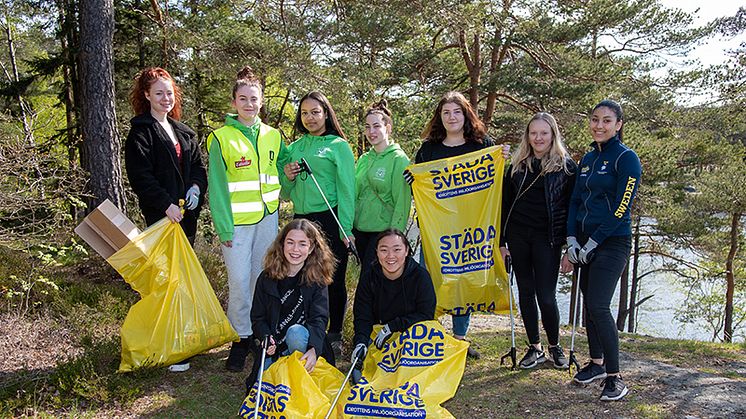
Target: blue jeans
(296, 339)
(460, 323)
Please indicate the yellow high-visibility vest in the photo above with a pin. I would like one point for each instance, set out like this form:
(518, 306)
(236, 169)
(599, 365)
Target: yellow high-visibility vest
(253, 181)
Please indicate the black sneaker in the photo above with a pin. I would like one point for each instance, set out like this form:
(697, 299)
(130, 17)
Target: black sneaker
(559, 358)
(237, 356)
(532, 358)
(614, 388)
(471, 352)
(589, 373)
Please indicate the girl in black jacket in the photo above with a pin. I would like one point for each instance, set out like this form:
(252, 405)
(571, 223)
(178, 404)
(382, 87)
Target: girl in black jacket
(162, 157)
(396, 292)
(536, 193)
(161, 154)
(291, 302)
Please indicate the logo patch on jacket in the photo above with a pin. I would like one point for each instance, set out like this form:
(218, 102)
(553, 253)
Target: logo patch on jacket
(323, 151)
(380, 173)
(242, 163)
(584, 171)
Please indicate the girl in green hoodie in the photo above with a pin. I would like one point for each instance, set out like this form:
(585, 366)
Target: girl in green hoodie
(383, 197)
(324, 147)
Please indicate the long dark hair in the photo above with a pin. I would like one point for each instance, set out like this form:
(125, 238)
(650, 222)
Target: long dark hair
(331, 123)
(474, 129)
(616, 108)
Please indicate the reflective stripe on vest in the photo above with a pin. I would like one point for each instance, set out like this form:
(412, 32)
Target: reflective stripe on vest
(253, 181)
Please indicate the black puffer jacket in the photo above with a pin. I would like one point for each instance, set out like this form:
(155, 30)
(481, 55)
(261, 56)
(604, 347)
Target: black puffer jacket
(154, 173)
(414, 304)
(557, 192)
(265, 310)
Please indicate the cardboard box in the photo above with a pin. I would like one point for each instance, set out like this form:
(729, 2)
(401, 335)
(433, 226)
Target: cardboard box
(106, 229)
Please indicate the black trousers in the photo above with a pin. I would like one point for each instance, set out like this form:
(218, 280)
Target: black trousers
(598, 282)
(365, 242)
(338, 288)
(536, 266)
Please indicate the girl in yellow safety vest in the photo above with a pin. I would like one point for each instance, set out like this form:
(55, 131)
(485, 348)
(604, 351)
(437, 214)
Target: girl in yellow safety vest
(244, 165)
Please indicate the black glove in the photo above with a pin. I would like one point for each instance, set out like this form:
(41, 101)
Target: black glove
(360, 351)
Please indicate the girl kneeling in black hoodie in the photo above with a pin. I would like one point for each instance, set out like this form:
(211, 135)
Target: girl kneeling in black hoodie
(396, 292)
(291, 301)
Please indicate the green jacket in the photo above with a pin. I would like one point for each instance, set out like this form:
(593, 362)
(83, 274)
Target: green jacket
(333, 165)
(383, 196)
(220, 200)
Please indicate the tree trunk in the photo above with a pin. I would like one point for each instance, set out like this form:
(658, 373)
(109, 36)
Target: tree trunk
(729, 277)
(98, 116)
(631, 325)
(621, 315)
(24, 108)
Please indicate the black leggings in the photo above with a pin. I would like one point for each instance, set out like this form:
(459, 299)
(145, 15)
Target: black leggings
(536, 265)
(365, 242)
(598, 282)
(338, 288)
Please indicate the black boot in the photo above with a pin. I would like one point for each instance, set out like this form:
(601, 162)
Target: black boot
(237, 357)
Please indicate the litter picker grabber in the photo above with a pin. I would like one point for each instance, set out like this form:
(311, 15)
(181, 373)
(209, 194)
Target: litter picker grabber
(512, 352)
(575, 312)
(261, 373)
(342, 386)
(304, 167)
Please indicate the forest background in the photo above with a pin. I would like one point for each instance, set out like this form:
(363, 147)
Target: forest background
(68, 66)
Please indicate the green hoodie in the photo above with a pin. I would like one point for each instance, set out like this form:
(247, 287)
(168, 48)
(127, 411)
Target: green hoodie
(383, 196)
(333, 165)
(220, 201)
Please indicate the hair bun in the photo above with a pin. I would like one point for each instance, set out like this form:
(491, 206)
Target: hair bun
(246, 73)
(381, 105)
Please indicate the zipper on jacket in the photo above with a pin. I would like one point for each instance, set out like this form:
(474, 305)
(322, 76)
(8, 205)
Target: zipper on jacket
(510, 211)
(585, 202)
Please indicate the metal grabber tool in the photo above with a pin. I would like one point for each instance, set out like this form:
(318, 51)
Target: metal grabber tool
(342, 386)
(512, 352)
(257, 401)
(573, 360)
(304, 167)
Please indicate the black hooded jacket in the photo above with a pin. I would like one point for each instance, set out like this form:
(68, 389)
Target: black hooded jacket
(265, 310)
(154, 173)
(415, 302)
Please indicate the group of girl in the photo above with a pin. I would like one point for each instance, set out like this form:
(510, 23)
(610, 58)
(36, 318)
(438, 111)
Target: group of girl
(285, 288)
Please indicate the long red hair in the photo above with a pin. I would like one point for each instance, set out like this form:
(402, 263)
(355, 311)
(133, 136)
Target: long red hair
(143, 81)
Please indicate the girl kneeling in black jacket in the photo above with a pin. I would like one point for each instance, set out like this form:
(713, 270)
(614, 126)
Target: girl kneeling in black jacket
(396, 292)
(291, 302)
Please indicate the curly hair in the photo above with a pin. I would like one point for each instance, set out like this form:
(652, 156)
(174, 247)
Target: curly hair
(319, 266)
(474, 129)
(143, 81)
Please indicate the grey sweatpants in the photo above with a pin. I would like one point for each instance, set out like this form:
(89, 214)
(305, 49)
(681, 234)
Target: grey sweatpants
(243, 262)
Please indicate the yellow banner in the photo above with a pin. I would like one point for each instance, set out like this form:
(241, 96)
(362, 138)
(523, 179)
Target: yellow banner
(458, 203)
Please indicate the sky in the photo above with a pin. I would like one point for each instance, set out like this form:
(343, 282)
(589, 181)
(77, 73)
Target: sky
(712, 52)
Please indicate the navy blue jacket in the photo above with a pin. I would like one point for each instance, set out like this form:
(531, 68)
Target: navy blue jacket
(605, 187)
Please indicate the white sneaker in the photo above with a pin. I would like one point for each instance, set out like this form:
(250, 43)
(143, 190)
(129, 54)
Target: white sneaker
(179, 367)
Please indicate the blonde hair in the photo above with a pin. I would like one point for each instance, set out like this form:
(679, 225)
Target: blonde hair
(319, 266)
(556, 158)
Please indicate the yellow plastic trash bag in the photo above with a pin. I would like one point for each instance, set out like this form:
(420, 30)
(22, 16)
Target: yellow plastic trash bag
(462, 254)
(289, 391)
(414, 372)
(178, 315)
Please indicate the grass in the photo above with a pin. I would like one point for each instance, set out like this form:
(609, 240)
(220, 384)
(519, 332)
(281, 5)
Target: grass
(92, 302)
